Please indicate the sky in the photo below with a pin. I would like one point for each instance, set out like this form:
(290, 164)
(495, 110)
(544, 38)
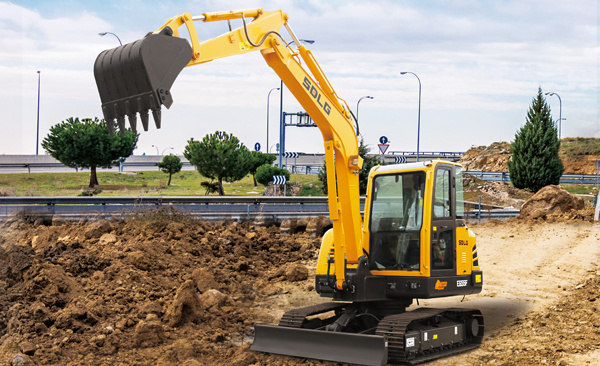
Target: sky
(480, 64)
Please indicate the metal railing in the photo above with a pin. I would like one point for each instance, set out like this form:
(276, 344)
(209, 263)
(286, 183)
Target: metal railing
(210, 207)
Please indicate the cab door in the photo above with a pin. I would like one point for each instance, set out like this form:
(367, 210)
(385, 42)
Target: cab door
(443, 223)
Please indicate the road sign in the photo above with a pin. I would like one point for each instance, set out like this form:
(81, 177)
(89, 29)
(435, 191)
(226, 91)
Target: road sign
(279, 179)
(383, 140)
(400, 159)
(257, 146)
(383, 148)
(290, 155)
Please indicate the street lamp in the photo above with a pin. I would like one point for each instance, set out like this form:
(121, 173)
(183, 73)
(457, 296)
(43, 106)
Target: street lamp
(281, 127)
(157, 153)
(37, 137)
(559, 112)
(419, 115)
(357, 104)
(102, 34)
(168, 148)
(269, 96)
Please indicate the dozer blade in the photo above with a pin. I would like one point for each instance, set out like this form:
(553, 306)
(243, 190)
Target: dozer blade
(137, 77)
(360, 349)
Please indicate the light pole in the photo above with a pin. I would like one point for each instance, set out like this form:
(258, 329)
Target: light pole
(168, 148)
(268, 98)
(419, 115)
(37, 136)
(102, 34)
(157, 153)
(559, 112)
(281, 127)
(357, 104)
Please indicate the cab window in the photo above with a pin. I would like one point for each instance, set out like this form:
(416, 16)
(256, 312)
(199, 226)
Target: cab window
(441, 200)
(396, 220)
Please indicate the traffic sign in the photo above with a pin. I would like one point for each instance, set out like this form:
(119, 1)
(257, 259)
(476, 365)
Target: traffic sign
(383, 148)
(279, 179)
(290, 155)
(400, 159)
(257, 146)
(383, 140)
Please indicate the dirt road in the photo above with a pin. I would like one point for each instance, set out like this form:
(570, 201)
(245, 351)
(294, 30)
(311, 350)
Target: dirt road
(166, 290)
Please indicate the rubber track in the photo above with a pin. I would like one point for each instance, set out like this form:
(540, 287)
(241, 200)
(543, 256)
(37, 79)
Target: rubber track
(395, 327)
(295, 318)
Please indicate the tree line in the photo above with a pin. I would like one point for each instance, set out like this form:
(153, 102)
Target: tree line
(222, 157)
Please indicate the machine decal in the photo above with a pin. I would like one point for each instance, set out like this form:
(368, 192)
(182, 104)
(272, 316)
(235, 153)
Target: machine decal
(478, 278)
(410, 342)
(315, 94)
(439, 285)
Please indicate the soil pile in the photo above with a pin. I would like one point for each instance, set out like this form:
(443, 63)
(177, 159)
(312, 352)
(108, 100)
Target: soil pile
(551, 200)
(163, 289)
(157, 291)
(569, 327)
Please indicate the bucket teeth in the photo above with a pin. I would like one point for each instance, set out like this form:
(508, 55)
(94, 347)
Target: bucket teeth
(132, 122)
(111, 127)
(156, 114)
(121, 123)
(137, 77)
(144, 117)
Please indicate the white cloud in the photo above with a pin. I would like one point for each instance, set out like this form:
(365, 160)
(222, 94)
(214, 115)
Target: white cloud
(480, 64)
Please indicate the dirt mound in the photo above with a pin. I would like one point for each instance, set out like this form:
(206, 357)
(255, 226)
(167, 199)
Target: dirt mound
(491, 158)
(141, 292)
(569, 326)
(551, 200)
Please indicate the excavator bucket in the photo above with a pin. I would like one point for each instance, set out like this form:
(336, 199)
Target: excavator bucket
(137, 78)
(360, 349)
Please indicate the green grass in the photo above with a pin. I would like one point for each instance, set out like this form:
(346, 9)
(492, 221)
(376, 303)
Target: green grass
(577, 146)
(150, 183)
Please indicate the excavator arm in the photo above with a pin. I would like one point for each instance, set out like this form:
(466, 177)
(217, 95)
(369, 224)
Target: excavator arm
(136, 79)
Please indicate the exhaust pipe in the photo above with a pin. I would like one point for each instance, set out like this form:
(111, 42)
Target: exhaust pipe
(137, 78)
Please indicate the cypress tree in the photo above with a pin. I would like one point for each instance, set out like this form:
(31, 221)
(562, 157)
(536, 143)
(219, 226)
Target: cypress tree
(535, 162)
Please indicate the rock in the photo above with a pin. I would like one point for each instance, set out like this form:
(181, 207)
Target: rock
(108, 238)
(296, 272)
(204, 279)
(149, 332)
(27, 348)
(21, 360)
(551, 200)
(317, 226)
(185, 307)
(213, 298)
(97, 228)
(99, 340)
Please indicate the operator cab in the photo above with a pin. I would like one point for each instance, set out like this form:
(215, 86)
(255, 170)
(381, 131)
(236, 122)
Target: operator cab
(405, 200)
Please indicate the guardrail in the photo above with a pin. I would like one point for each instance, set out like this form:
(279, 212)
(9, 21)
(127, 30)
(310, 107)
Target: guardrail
(565, 178)
(209, 207)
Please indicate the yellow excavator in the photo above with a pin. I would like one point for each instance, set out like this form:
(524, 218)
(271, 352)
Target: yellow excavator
(412, 244)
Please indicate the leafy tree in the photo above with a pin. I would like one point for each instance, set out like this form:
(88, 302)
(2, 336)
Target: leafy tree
(88, 144)
(265, 173)
(219, 156)
(258, 159)
(363, 175)
(535, 162)
(170, 164)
